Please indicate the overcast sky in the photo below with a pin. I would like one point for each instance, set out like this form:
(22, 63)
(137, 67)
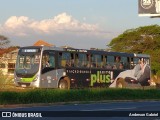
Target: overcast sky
(77, 23)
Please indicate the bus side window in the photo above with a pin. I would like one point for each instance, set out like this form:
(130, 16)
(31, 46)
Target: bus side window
(93, 61)
(117, 62)
(52, 61)
(66, 59)
(45, 60)
(106, 63)
(147, 61)
(88, 61)
(48, 60)
(96, 61)
(100, 61)
(82, 60)
(76, 60)
(62, 59)
(125, 62)
(110, 62)
(134, 62)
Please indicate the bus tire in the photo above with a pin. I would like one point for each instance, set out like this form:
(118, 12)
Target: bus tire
(63, 84)
(120, 83)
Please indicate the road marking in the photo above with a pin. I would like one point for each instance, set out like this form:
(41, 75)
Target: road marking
(110, 109)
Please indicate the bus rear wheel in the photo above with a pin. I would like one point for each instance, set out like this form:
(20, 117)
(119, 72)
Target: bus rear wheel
(63, 84)
(121, 83)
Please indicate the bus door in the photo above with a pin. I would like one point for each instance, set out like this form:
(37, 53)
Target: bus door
(48, 70)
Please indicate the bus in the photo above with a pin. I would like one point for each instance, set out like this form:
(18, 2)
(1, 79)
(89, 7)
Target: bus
(66, 68)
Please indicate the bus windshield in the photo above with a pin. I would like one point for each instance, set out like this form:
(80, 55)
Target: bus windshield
(27, 65)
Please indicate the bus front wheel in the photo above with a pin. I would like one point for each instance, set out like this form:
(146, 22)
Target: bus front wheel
(121, 83)
(63, 84)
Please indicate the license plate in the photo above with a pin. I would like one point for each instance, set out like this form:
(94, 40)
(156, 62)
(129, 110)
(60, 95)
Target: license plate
(23, 85)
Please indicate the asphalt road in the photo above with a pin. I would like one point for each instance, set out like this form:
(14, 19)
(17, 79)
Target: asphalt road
(143, 110)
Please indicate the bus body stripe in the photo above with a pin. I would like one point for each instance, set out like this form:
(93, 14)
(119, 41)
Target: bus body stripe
(28, 79)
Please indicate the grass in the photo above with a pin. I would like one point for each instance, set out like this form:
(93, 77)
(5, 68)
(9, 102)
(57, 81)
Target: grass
(55, 95)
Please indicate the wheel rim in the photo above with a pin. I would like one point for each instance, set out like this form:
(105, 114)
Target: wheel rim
(120, 85)
(63, 85)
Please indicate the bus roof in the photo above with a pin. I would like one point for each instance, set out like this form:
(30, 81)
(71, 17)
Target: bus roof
(44, 47)
(99, 52)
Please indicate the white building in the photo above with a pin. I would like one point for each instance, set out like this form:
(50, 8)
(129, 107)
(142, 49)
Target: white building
(8, 60)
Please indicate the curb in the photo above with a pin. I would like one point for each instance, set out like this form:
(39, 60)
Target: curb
(68, 103)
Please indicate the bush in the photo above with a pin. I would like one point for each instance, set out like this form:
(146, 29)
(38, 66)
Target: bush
(5, 81)
(83, 95)
(2, 80)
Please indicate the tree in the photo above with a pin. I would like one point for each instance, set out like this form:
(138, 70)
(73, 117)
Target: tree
(145, 40)
(3, 41)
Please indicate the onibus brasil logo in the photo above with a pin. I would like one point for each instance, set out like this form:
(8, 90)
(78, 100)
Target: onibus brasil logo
(147, 4)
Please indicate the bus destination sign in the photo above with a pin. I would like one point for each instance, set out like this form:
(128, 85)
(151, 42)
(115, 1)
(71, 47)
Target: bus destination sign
(30, 50)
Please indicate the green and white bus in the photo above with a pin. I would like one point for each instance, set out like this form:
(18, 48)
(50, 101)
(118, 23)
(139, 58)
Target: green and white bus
(65, 68)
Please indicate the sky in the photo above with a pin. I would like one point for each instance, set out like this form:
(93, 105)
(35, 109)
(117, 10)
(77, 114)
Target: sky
(77, 23)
